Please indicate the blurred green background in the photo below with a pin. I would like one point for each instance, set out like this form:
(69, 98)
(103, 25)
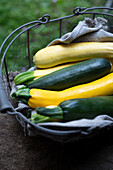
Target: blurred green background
(14, 13)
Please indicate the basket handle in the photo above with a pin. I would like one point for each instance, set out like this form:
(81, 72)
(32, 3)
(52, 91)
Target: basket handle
(4, 102)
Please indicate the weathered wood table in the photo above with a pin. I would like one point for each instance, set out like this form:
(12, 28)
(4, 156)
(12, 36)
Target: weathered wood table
(18, 152)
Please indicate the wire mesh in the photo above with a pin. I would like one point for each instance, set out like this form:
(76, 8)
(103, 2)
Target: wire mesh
(19, 56)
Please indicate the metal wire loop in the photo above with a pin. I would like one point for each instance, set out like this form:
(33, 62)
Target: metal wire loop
(84, 10)
(77, 10)
(44, 19)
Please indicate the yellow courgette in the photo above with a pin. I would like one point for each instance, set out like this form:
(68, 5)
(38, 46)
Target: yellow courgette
(58, 54)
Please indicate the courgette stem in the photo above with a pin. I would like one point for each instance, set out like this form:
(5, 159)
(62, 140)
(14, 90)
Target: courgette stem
(22, 94)
(55, 112)
(24, 77)
(37, 118)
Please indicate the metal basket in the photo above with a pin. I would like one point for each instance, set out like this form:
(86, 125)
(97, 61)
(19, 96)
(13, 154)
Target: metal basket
(17, 51)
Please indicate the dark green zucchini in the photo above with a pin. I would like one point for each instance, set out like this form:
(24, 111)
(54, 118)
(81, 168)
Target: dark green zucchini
(80, 108)
(75, 74)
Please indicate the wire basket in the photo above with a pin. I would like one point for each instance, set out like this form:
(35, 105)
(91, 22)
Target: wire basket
(17, 51)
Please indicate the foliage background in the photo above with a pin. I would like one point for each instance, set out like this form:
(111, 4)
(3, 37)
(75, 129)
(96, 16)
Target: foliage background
(15, 13)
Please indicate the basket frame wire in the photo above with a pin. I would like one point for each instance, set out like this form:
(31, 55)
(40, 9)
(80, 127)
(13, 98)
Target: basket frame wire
(45, 19)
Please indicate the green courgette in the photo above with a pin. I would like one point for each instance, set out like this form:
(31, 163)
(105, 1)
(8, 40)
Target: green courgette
(79, 108)
(83, 72)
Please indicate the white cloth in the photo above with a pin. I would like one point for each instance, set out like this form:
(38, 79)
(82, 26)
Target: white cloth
(86, 31)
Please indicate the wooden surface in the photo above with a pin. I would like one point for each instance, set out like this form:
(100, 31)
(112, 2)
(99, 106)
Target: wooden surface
(18, 152)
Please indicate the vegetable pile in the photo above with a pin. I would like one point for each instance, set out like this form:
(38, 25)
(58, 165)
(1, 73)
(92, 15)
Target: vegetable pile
(71, 82)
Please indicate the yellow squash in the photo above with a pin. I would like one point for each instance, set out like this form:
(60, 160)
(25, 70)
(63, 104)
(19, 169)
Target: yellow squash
(58, 54)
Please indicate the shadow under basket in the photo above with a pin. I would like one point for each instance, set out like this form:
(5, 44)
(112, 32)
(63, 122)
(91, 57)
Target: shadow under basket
(20, 46)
